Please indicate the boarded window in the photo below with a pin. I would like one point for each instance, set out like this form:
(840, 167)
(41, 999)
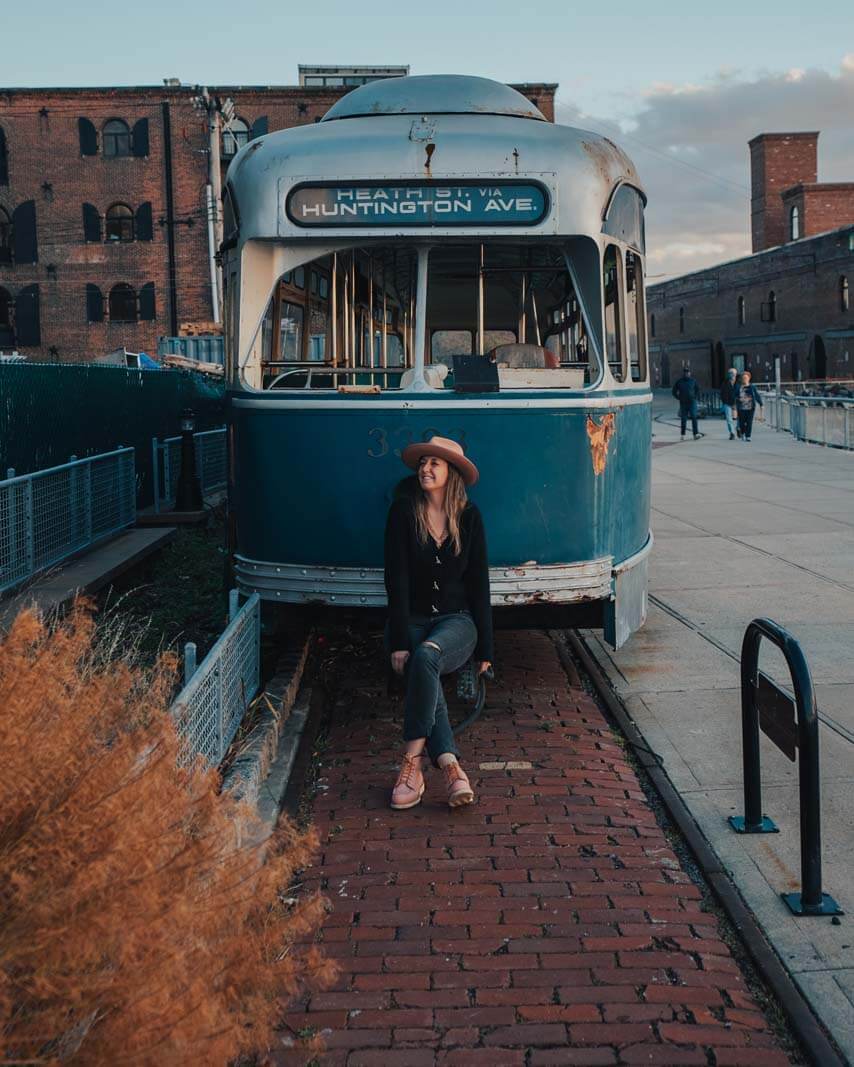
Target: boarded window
(612, 287)
(88, 138)
(94, 303)
(25, 243)
(116, 138)
(5, 237)
(4, 159)
(119, 223)
(91, 223)
(144, 223)
(147, 305)
(139, 140)
(7, 333)
(259, 127)
(27, 320)
(123, 303)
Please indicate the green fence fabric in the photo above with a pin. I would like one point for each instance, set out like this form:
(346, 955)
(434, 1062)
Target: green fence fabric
(51, 411)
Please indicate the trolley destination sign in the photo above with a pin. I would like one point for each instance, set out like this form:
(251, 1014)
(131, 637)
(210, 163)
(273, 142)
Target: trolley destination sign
(418, 204)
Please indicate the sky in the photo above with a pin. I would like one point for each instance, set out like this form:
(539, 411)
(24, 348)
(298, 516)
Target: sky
(682, 93)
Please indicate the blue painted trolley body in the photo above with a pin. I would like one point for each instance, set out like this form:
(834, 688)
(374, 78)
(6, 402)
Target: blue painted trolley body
(328, 387)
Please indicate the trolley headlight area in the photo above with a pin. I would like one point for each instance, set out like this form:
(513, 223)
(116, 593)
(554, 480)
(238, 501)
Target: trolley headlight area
(434, 257)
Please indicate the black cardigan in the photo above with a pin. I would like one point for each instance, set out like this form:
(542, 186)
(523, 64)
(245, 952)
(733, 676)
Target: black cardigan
(421, 579)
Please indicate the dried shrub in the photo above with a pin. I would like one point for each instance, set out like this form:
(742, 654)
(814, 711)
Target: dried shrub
(141, 918)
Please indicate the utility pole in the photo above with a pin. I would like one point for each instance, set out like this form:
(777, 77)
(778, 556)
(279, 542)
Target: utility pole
(215, 111)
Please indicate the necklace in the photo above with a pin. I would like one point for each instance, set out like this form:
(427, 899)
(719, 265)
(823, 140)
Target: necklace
(442, 534)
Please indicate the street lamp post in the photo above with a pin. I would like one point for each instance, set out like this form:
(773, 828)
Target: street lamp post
(188, 492)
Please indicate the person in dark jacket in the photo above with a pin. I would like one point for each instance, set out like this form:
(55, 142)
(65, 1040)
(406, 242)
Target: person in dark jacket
(729, 390)
(747, 400)
(687, 392)
(437, 582)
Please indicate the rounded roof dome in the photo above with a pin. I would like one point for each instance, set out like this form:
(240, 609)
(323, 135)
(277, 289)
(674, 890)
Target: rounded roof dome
(434, 94)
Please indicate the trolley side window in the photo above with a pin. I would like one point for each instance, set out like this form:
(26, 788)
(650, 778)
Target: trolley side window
(612, 288)
(635, 317)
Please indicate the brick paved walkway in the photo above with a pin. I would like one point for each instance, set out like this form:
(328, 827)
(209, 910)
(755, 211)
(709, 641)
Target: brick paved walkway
(550, 923)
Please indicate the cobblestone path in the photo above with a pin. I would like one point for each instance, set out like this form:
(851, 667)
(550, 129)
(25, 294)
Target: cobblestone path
(549, 923)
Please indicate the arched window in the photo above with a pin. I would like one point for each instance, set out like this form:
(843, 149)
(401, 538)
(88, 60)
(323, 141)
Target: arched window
(742, 311)
(7, 332)
(681, 320)
(652, 326)
(843, 293)
(794, 223)
(5, 237)
(119, 224)
(116, 139)
(123, 303)
(234, 136)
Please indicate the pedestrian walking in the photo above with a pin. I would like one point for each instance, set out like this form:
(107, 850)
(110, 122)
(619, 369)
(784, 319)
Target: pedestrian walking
(748, 400)
(437, 581)
(729, 390)
(687, 392)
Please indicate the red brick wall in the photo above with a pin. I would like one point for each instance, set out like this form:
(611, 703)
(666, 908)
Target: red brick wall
(804, 277)
(43, 147)
(777, 162)
(826, 207)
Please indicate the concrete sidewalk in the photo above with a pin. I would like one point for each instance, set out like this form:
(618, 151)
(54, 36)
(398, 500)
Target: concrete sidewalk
(549, 923)
(745, 530)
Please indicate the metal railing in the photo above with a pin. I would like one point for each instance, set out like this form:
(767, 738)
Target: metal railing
(211, 465)
(827, 420)
(217, 692)
(49, 515)
(325, 376)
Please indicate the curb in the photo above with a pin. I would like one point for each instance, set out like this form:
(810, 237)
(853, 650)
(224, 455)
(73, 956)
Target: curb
(809, 1031)
(277, 732)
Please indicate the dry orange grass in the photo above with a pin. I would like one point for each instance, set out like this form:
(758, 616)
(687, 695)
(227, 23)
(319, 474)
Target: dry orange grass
(139, 923)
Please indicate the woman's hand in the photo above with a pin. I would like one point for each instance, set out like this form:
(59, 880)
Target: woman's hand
(483, 666)
(398, 661)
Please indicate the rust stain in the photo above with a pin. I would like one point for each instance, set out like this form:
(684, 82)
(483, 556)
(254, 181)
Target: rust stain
(600, 433)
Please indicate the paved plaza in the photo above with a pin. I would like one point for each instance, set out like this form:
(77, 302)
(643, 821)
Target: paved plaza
(549, 923)
(747, 530)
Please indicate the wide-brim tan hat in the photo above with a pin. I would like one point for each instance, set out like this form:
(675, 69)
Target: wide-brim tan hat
(446, 449)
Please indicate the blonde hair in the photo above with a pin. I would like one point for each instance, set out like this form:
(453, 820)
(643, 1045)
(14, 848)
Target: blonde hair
(455, 502)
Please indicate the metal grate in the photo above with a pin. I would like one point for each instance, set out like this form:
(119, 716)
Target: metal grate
(48, 516)
(211, 706)
(211, 465)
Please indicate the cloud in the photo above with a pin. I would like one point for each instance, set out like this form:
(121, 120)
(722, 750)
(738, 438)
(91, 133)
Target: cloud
(689, 144)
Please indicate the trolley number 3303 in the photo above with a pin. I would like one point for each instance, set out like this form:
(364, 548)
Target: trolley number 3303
(384, 441)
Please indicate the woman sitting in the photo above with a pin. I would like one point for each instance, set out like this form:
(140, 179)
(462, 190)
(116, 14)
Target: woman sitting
(437, 581)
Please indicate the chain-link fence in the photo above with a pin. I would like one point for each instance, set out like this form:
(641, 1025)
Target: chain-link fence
(211, 465)
(216, 694)
(49, 411)
(50, 515)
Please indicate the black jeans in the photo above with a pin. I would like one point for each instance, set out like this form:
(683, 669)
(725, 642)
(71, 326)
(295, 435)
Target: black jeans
(745, 422)
(687, 411)
(439, 645)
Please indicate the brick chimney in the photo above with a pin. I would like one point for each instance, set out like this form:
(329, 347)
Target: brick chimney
(777, 162)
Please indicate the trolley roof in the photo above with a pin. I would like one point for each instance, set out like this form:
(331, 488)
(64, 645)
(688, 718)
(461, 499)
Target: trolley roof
(401, 130)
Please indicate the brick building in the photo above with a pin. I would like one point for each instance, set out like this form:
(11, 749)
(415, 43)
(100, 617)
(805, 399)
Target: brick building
(790, 298)
(103, 207)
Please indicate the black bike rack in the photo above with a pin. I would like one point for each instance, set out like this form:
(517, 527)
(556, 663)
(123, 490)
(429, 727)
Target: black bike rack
(765, 706)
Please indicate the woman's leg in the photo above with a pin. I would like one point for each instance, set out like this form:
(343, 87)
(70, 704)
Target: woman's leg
(748, 423)
(444, 647)
(742, 423)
